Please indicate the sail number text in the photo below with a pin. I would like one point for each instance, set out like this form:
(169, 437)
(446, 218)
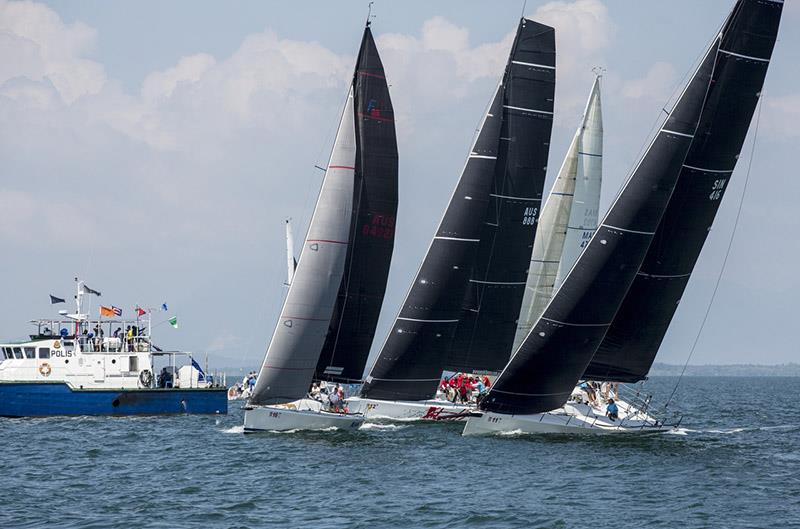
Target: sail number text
(716, 190)
(529, 218)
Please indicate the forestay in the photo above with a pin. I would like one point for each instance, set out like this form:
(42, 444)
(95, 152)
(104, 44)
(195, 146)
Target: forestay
(569, 216)
(748, 37)
(542, 373)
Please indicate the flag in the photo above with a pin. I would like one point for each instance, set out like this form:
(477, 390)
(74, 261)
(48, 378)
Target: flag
(201, 375)
(140, 311)
(87, 290)
(173, 321)
(54, 300)
(164, 307)
(110, 311)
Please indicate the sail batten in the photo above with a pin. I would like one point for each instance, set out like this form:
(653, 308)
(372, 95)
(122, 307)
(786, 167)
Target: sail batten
(630, 347)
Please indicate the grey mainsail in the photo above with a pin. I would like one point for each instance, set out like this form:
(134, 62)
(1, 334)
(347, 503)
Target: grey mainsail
(568, 219)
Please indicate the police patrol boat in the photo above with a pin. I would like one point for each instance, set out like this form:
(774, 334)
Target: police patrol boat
(79, 366)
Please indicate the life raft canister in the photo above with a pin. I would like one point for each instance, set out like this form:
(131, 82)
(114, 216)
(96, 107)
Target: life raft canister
(45, 369)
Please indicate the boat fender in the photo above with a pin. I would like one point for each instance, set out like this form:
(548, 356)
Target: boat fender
(45, 369)
(146, 378)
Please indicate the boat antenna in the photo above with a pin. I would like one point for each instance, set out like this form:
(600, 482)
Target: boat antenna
(369, 13)
(524, 5)
(598, 71)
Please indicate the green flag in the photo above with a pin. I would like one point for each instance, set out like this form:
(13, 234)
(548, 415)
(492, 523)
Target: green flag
(173, 321)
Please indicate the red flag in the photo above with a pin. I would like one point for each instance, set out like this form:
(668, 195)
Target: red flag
(140, 311)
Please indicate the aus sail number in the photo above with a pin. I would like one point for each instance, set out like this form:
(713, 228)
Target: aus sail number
(529, 218)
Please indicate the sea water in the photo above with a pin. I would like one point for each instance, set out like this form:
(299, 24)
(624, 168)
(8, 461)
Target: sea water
(735, 462)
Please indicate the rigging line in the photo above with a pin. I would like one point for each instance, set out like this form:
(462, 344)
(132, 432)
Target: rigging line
(727, 253)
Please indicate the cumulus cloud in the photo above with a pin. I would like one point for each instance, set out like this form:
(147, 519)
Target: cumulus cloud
(36, 44)
(656, 83)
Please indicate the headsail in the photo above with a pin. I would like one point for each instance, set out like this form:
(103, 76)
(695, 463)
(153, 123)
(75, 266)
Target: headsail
(568, 219)
(543, 371)
(493, 298)
(629, 348)
(303, 324)
(411, 359)
(362, 289)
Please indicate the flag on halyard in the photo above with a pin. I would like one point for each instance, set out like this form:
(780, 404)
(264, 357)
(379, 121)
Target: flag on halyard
(110, 311)
(54, 300)
(164, 307)
(173, 321)
(140, 311)
(201, 375)
(87, 290)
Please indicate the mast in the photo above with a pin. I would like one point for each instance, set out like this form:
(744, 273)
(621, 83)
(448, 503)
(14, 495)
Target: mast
(543, 371)
(630, 347)
(492, 301)
(374, 210)
(569, 216)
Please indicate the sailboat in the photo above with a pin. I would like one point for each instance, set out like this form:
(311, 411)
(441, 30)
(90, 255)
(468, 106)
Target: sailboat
(662, 214)
(337, 288)
(463, 287)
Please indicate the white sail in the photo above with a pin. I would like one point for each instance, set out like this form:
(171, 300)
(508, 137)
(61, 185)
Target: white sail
(588, 179)
(568, 219)
(300, 333)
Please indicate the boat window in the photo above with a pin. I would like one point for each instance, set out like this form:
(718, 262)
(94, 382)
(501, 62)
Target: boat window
(133, 363)
(30, 352)
(7, 353)
(18, 353)
(44, 352)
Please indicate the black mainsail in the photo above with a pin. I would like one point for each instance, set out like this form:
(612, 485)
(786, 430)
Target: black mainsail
(543, 371)
(488, 320)
(630, 346)
(362, 289)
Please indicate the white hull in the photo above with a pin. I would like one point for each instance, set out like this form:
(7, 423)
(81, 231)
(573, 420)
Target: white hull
(282, 418)
(571, 419)
(404, 410)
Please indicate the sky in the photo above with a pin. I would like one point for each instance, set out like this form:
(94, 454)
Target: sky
(154, 150)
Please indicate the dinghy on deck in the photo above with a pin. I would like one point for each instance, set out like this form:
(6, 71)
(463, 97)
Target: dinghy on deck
(658, 224)
(335, 294)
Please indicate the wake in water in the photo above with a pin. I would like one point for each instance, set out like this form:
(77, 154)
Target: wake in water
(381, 426)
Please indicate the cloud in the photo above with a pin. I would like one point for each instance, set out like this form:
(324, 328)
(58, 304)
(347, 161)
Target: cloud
(781, 115)
(36, 44)
(656, 83)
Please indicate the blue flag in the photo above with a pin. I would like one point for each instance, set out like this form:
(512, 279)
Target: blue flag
(201, 375)
(164, 306)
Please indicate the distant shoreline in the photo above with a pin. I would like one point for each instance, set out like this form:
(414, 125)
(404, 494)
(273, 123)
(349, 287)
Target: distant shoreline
(730, 370)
